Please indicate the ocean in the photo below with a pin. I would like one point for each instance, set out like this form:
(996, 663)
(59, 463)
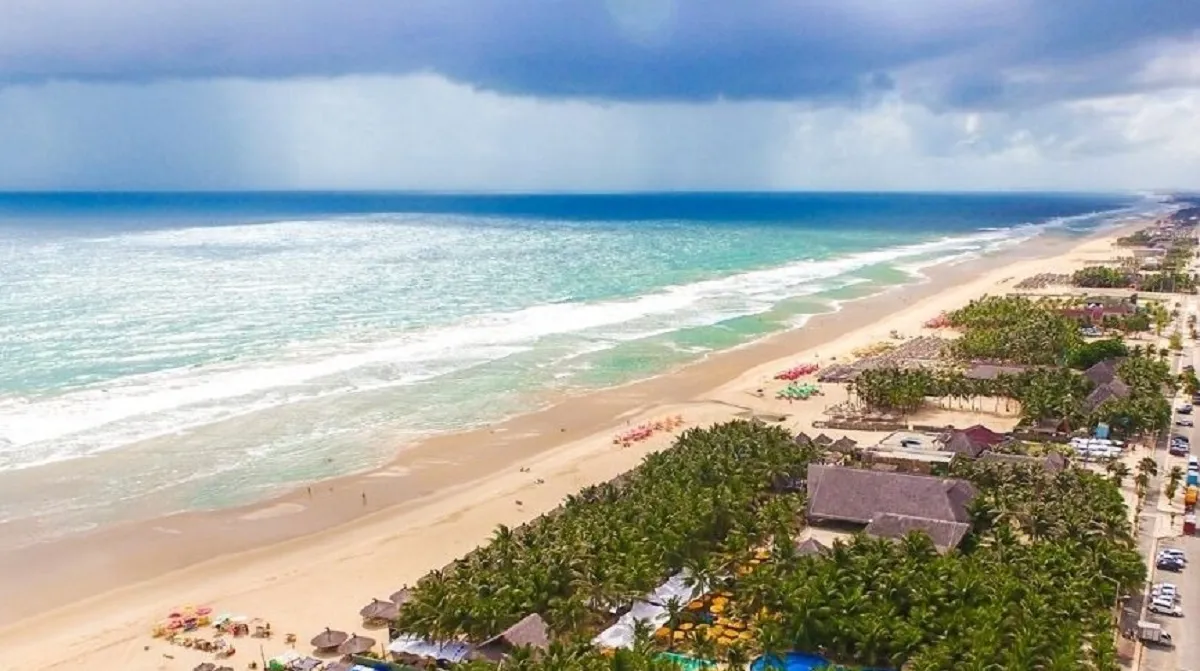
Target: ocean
(169, 352)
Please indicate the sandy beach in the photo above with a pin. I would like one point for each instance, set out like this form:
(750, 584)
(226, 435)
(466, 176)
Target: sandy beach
(312, 558)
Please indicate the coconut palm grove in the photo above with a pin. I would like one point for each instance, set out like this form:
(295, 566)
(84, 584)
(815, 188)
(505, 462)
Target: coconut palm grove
(1036, 583)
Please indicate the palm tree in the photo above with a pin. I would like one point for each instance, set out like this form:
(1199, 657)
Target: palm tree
(1020, 592)
(1118, 471)
(1174, 477)
(1148, 465)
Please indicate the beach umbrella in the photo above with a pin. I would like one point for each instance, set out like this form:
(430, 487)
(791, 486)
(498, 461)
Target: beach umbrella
(379, 610)
(356, 645)
(329, 639)
(401, 597)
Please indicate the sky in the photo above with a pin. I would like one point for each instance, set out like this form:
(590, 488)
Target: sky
(600, 95)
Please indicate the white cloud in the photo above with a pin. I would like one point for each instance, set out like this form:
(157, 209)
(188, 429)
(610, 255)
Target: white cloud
(423, 132)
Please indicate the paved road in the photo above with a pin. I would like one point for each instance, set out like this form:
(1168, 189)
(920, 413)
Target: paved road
(1186, 630)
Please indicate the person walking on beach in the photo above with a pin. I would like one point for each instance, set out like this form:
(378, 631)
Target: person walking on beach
(364, 498)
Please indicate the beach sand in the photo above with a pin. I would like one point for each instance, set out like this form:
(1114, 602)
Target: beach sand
(313, 558)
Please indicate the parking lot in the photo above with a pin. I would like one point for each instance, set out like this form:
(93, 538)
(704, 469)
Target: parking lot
(1184, 630)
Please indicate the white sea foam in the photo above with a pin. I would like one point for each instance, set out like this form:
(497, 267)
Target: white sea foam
(92, 418)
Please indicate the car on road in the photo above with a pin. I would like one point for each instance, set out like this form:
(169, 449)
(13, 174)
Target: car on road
(1161, 608)
(1183, 421)
(1165, 589)
(1173, 553)
(1179, 450)
(1184, 410)
(1169, 564)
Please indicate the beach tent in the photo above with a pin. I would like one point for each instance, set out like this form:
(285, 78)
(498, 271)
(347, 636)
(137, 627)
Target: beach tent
(356, 645)
(676, 587)
(620, 635)
(409, 644)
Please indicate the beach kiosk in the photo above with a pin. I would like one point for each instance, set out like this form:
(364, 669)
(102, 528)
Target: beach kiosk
(1193, 478)
(1189, 498)
(1189, 524)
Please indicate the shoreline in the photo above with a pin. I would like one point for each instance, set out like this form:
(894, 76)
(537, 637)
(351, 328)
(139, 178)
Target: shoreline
(442, 480)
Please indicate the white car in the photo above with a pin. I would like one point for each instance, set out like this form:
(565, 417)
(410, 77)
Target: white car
(1166, 609)
(1165, 590)
(1184, 422)
(1173, 553)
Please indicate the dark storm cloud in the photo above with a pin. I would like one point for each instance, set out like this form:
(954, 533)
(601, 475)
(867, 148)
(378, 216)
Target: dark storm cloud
(961, 54)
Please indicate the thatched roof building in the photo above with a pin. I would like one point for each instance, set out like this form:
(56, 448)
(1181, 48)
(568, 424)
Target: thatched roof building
(531, 631)
(811, 546)
(1052, 462)
(959, 442)
(851, 495)
(945, 535)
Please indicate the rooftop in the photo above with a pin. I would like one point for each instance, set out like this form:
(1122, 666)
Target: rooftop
(945, 535)
(837, 493)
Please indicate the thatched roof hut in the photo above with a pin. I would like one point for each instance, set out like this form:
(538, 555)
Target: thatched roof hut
(802, 439)
(531, 631)
(401, 596)
(843, 445)
(851, 495)
(379, 609)
(945, 534)
(823, 440)
(811, 546)
(959, 442)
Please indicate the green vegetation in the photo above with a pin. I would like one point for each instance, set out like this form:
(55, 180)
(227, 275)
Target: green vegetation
(1138, 239)
(1189, 382)
(1167, 282)
(1104, 277)
(702, 505)
(1138, 322)
(1089, 354)
(1015, 329)
(1053, 393)
(1033, 586)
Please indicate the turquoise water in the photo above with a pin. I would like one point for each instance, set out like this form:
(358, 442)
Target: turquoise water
(206, 350)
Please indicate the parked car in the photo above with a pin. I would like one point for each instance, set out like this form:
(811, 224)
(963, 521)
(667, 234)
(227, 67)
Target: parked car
(1173, 552)
(1170, 564)
(1183, 422)
(1163, 609)
(1184, 410)
(1165, 589)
